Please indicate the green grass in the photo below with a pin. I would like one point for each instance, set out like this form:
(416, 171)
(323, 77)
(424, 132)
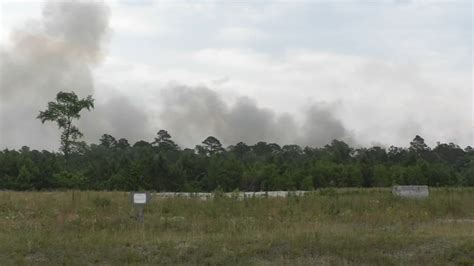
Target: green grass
(329, 227)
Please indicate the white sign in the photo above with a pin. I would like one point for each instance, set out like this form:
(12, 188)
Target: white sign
(139, 198)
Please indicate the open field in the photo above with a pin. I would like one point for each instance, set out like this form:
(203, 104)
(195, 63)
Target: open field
(345, 226)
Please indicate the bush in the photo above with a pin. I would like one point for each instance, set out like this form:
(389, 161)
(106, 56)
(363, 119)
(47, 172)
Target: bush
(218, 193)
(331, 192)
(307, 183)
(101, 202)
(70, 180)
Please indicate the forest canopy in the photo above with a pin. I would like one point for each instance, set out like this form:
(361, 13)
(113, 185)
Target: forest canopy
(161, 165)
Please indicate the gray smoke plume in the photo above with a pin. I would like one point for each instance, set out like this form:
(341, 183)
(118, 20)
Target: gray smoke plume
(321, 126)
(45, 57)
(58, 53)
(192, 114)
(119, 117)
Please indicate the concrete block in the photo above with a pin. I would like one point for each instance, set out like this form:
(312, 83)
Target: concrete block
(411, 191)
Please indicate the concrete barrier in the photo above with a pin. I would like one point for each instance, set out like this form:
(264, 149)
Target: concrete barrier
(238, 195)
(411, 191)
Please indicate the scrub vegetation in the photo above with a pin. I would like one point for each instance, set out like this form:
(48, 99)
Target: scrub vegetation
(328, 226)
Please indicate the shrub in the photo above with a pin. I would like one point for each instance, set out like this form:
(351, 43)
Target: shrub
(101, 202)
(70, 180)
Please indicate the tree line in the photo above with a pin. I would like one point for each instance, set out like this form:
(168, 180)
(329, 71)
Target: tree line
(161, 165)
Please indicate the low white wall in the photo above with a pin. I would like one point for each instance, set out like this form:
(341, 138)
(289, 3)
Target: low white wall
(411, 191)
(239, 195)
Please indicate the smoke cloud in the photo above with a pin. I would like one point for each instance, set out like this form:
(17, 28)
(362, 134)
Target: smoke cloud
(119, 117)
(59, 53)
(45, 57)
(191, 114)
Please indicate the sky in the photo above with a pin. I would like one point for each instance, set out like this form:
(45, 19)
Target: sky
(304, 72)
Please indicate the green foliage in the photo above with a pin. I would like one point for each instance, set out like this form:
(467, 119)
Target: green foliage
(163, 166)
(224, 173)
(66, 108)
(164, 142)
(101, 202)
(307, 183)
(211, 146)
(331, 192)
(218, 193)
(70, 180)
(24, 179)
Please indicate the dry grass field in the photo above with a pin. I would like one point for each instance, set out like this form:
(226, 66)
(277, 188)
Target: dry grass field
(328, 227)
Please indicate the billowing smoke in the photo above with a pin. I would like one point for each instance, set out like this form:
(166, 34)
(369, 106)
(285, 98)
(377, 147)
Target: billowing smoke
(45, 57)
(55, 53)
(191, 114)
(59, 52)
(119, 117)
(320, 127)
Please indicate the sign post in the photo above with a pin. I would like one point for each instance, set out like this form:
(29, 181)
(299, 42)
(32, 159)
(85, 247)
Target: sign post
(139, 200)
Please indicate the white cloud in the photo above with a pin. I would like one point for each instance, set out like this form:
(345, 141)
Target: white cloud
(135, 21)
(239, 34)
(13, 14)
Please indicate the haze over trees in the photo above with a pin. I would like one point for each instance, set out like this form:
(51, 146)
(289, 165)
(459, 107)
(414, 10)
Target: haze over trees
(161, 165)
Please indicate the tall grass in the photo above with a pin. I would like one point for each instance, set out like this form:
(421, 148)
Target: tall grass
(343, 226)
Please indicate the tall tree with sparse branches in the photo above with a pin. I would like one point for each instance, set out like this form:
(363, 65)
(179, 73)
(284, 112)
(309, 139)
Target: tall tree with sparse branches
(63, 111)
